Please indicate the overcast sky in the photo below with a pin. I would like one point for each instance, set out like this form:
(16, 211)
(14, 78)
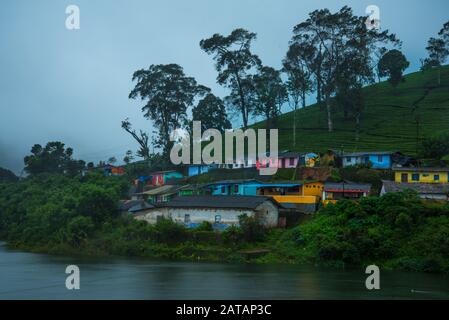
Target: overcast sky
(73, 86)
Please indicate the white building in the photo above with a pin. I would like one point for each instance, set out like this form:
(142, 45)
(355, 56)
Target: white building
(221, 212)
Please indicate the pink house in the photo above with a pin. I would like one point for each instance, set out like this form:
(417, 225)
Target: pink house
(288, 159)
(285, 160)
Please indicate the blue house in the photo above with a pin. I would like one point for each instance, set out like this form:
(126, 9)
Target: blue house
(196, 169)
(378, 160)
(250, 187)
(239, 187)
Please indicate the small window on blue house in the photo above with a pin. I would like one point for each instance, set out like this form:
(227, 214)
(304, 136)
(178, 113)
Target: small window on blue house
(380, 158)
(217, 218)
(236, 188)
(348, 159)
(223, 189)
(415, 177)
(436, 177)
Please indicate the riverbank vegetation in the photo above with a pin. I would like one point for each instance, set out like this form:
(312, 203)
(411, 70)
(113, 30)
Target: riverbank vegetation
(79, 215)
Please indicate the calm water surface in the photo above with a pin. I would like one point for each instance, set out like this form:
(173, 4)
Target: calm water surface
(38, 276)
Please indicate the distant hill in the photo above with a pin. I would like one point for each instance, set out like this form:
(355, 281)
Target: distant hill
(7, 175)
(387, 123)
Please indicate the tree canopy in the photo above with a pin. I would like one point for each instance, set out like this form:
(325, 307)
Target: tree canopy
(211, 112)
(326, 41)
(53, 158)
(270, 93)
(234, 62)
(7, 175)
(168, 93)
(392, 64)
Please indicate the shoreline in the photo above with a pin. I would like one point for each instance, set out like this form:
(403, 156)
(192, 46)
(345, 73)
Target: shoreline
(56, 252)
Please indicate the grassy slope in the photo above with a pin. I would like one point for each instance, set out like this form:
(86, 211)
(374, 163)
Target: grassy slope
(387, 123)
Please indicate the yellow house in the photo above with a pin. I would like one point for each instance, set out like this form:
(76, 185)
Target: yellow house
(313, 189)
(306, 196)
(421, 175)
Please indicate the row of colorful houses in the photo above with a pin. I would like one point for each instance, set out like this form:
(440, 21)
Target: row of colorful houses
(227, 198)
(287, 159)
(166, 194)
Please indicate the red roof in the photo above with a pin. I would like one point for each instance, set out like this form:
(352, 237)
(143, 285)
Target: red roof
(346, 190)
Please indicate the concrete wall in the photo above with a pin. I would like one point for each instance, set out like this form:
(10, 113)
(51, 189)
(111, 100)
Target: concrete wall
(267, 213)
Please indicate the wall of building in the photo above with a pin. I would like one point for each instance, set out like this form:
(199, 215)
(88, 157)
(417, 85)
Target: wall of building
(288, 162)
(352, 161)
(426, 196)
(199, 169)
(267, 213)
(425, 177)
(297, 199)
(377, 161)
(313, 189)
(235, 189)
(380, 161)
(195, 217)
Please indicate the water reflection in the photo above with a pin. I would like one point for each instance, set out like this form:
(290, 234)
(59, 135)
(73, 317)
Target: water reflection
(37, 276)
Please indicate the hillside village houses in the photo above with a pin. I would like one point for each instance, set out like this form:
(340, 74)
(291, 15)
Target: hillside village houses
(171, 194)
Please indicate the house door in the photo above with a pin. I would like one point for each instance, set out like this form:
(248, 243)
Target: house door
(404, 177)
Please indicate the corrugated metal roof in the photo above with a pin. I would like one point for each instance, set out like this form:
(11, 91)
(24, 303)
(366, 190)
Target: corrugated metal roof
(165, 189)
(333, 186)
(237, 202)
(236, 181)
(421, 169)
(427, 188)
(289, 154)
(360, 154)
(128, 204)
(140, 207)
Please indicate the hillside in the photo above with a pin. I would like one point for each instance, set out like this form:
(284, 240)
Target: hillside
(387, 123)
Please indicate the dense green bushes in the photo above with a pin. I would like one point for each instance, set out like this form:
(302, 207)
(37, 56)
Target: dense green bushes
(48, 209)
(59, 214)
(396, 230)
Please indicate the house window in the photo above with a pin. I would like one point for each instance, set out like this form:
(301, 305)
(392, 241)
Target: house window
(436, 177)
(292, 161)
(415, 177)
(187, 218)
(223, 189)
(380, 158)
(236, 188)
(217, 218)
(348, 159)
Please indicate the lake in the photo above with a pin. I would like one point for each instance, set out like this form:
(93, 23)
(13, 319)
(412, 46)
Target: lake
(26, 275)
